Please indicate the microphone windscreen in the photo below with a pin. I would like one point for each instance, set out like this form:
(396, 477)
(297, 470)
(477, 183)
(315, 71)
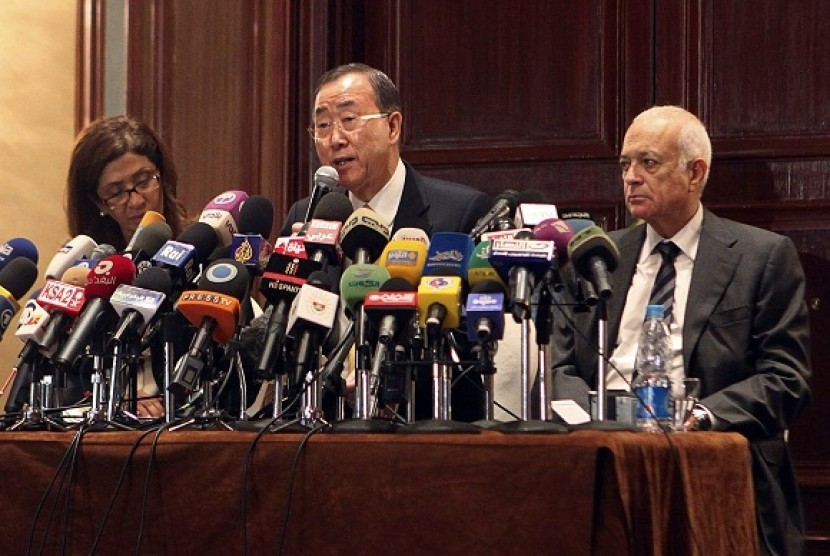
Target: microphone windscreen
(155, 279)
(358, 280)
(226, 276)
(320, 279)
(18, 276)
(398, 285)
(327, 176)
(589, 243)
(365, 230)
(222, 214)
(559, 232)
(76, 275)
(404, 259)
(150, 238)
(412, 234)
(579, 224)
(79, 247)
(488, 286)
(203, 237)
(17, 247)
(256, 216)
(103, 250)
(334, 206)
(107, 275)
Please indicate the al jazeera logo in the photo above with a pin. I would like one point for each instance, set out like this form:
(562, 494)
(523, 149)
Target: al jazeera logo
(244, 253)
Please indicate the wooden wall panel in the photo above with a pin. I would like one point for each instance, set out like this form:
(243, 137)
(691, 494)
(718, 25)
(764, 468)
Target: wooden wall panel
(499, 94)
(218, 80)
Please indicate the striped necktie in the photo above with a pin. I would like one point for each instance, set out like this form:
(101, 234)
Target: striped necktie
(662, 293)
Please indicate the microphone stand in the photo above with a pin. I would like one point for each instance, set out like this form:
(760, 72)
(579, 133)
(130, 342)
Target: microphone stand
(487, 369)
(525, 424)
(363, 422)
(441, 384)
(169, 364)
(34, 417)
(599, 420)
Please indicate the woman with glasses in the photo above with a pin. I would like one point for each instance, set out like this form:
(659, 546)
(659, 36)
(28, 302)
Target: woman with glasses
(119, 170)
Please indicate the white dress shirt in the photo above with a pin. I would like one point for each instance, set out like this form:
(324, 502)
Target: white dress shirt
(623, 357)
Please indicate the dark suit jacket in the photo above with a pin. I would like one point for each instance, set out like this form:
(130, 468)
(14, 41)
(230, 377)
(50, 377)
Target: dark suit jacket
(432, 205)
(745, 336)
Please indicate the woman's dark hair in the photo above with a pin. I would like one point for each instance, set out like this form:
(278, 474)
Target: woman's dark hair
(99, 144)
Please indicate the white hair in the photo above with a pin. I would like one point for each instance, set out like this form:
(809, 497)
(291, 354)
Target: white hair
(692, 140)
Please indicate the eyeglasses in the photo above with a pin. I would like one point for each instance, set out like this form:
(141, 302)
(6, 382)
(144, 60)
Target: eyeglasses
(142, 185)
(323, 129)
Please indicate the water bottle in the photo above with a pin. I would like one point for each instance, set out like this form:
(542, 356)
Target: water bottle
(651, 384)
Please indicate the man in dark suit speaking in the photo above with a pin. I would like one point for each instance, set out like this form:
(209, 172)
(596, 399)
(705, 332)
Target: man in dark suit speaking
(356, 128)
(739, 321)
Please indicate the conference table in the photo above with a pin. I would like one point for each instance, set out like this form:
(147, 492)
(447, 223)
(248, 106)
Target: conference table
(230, 492)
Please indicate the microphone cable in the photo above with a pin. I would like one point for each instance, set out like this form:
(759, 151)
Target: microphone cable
(61, 473)
(665, 432)
(151, 458)
(292, 475)
(114, 495)
(249, 462)
(464, 373)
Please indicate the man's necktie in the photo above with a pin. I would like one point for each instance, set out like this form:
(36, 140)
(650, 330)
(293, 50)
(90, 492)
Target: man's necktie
(662, 293)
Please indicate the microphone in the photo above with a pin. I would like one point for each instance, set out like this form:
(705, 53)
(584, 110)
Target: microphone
(147, 241)
(594, 256)
(530, 215)
(521, 262)
(449, 253)
(310, 319)
(560, 233)
(16, 278)
(137, 304)
(77, 275)
(323, 230)
(250, 246)
(17, 247)
(357, 281)
(102, 281)
(404, 259)
(480, 268)
(390, 310)
(325, 179)
(364, 235)
(77, 248)
(412, 234)
(222, 214)
(182, 258)
(213, 308)
(149, 217)
(281, 282)
(485, 312)
(505, 206)
(293, 246)
(101, 251)
(30, 329)
(439, 299)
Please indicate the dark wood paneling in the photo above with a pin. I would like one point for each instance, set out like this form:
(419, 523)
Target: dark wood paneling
(521, 94)
(219, 82)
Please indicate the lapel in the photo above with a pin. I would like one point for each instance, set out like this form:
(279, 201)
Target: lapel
(715, 266)
(413, 208)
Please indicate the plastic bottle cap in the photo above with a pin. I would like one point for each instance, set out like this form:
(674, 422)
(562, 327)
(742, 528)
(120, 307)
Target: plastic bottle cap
(654, 311)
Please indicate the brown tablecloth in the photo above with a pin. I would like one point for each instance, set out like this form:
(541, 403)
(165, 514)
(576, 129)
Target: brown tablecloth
(586, 492)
